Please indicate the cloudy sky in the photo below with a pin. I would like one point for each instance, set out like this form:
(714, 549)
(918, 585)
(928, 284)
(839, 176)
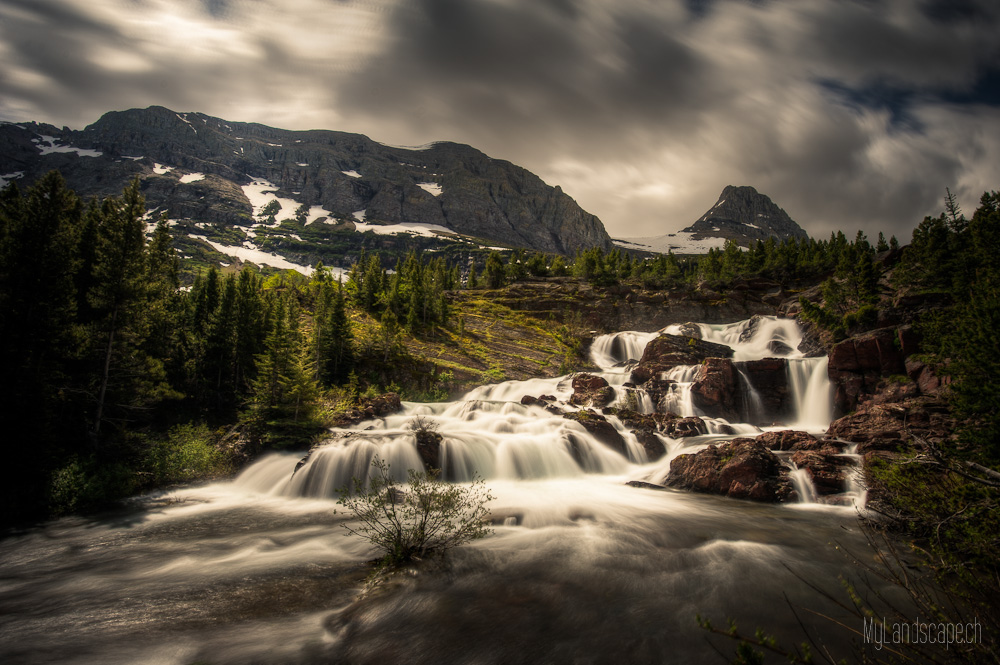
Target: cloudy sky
(848, 113)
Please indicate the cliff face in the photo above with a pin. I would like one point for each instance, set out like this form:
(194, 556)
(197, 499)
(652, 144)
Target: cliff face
(349, 176)
(745, 215)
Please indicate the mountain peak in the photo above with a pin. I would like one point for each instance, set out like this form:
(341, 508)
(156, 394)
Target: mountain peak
(745, 215)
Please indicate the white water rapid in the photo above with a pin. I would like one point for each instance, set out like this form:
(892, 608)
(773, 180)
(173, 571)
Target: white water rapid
(581, 567)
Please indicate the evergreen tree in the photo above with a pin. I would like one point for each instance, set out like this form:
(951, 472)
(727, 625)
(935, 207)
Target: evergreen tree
(494, 273)
(117, 292)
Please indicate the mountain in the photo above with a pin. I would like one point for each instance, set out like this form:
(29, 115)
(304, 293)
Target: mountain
(745, 215)
(742, 214)
(215, 177)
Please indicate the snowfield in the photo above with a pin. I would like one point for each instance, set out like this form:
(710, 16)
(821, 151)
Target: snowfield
(679, 243)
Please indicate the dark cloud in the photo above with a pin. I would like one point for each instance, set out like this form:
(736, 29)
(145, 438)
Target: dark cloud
(849, 114)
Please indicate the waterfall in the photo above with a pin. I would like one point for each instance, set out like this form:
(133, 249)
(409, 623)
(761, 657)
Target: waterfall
(678, 399)
(488, 433)
(751, 407)
(610, 350)
(812, 392)
(803, 485)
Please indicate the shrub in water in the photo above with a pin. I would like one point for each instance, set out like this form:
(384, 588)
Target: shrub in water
(422, 518)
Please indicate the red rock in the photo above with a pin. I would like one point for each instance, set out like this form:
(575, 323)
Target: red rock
(789, 440)
(591, 390)
(714, 388)
(668, 351)
(742, 469)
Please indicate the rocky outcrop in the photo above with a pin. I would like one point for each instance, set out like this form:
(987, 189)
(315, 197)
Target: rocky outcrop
(679, 428)
(768, 379)
(822, 460)
(714, 388)
(750, 391)
(827, 470)
(879, 425)
(668, 351)
(787, 440)
(591, 390)
(745, 215)
(741, 469)
(448, 184)
(623, 307)
(858, 364)
(369, 408)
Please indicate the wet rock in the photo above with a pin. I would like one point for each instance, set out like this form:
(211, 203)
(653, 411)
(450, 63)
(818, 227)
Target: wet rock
(811, 345)
(690, 329)
(600, 429)
(528, 400)
(827, 471)
(741, 469)
(644, 485)
(684, 427)
(429, 448)
(753, 325)
(668, 351)
(714, 388)
(591, 390)
(651, 443)
(789, 440)
(769, 378)
(779, 348)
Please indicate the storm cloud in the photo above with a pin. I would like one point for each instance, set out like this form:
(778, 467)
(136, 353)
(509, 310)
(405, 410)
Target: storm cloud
(849, 114)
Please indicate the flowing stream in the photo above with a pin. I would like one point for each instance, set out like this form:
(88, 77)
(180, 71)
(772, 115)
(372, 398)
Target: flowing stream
(581, 567)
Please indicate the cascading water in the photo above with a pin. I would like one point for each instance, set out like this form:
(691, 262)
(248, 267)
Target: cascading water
(257, 570)
(490, 434)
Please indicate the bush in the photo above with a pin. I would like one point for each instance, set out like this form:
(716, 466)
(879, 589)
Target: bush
(188, 453)
(424, 518)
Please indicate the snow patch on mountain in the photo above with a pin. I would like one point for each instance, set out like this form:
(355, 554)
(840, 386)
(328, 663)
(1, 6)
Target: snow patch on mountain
(431, 188)
(415, 228)
(192, 177)
(47, 145)
(4, 179)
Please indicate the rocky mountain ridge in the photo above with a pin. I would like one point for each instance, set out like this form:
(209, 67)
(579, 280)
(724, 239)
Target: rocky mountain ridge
(745, 215)
(198, 167)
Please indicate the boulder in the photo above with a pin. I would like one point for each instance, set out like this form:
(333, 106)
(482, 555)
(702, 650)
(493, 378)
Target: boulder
(714, 388)
(789, 440)
(668, 351)
(650, 443)
(429, 448)
(600, 429)
(684, 427)
(741, 469)
(827, 471)
(528, 400)
(779, 348)
(591, 390)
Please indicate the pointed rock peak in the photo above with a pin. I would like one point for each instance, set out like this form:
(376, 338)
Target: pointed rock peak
(745, 215)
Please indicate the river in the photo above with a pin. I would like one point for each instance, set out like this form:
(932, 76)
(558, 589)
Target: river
(581, 568)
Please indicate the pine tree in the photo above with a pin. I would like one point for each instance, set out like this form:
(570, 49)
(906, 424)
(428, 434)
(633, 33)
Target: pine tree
(118, 286)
